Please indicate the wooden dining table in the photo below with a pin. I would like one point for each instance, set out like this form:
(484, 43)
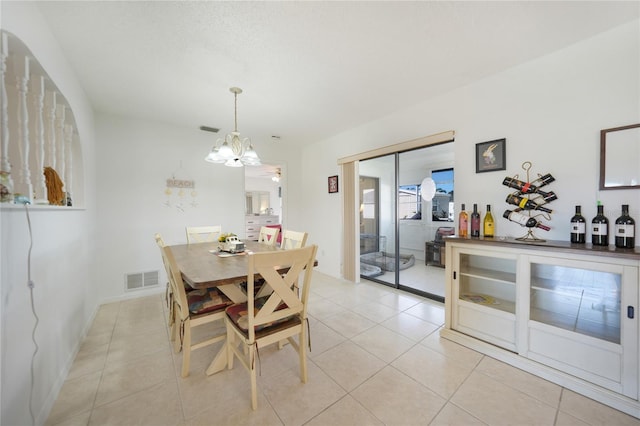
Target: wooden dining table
(202, 266)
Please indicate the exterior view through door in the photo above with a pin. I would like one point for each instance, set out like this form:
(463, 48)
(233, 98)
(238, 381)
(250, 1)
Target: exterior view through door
(400, 232)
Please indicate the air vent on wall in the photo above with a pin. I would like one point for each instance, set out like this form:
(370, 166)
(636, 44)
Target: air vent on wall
(138, 280)
(209, 129)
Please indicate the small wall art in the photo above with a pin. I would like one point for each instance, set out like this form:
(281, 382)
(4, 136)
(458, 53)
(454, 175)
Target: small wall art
(333, 184)
(491, 156)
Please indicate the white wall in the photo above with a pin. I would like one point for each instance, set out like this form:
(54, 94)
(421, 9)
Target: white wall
(61, 259)
(550, 110)
(135, 158)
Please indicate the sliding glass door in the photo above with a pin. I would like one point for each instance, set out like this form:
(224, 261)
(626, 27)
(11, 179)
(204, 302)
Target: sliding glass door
(378, 218)
(398, 226)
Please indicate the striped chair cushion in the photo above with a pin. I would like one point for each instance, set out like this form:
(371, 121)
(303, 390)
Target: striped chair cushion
(206, 300)
(238, 314)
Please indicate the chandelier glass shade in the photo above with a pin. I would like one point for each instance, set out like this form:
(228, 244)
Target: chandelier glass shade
(234, 151)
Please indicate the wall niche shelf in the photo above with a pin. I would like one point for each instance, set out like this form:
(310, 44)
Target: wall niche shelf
(38, 134)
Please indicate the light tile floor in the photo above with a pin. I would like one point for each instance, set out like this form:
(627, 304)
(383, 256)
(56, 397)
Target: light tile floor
(419, 276)
(377, 359)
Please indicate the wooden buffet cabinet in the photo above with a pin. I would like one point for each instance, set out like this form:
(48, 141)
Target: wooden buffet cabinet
(564, 312)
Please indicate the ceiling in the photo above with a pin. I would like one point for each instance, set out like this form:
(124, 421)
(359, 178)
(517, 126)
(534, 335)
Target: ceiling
(309, 70)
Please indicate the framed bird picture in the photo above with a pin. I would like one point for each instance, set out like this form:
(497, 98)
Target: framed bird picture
(491, 156)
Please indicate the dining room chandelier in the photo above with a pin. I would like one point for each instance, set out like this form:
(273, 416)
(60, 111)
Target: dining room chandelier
(233, 151)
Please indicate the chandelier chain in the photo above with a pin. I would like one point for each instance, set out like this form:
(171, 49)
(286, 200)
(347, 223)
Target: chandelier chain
(235, 111)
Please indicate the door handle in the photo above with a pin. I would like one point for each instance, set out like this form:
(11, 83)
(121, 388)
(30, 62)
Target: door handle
(630, 312)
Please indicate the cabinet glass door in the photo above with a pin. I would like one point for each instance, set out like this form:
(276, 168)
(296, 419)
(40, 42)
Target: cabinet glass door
(488, 281)
(576, 299)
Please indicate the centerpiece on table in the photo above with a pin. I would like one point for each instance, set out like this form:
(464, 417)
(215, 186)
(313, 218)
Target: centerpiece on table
(230, 243)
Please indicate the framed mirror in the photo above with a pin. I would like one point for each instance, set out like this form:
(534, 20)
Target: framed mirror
(620, 157)
(257, 202)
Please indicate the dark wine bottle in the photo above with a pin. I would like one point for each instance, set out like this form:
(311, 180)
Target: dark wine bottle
(549, 196)
(475, 222)
(625, 229)
(524, 220)
(526, 204)
(578, 227)
(526, 187)
(544, 180)
(600, 228)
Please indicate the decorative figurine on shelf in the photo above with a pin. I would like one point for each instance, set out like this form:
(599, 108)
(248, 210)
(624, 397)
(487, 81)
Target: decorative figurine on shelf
(6, 187)
(530, 202)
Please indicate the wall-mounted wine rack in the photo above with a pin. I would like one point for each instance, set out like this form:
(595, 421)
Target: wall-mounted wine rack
(530, 202)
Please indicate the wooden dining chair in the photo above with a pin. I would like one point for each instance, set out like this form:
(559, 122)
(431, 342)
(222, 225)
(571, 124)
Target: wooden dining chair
(268, 236)
(265, 320)
(192, 309)
(203, 234)
(279, 227)
(168, 296)
(293, 239)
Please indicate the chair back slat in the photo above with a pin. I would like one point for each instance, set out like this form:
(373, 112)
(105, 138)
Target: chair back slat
(162, 245)
(175, 281)
(293, 239)
(203, 234)
(268, 236)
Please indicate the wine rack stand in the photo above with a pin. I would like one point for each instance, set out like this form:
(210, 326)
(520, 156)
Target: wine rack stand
(536, 198)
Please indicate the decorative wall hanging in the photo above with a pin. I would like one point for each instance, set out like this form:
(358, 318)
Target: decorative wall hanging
(491, 156)
(180, 187)
(530, 202)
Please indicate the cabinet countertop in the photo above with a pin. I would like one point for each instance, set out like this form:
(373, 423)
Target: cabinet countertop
(563, 246)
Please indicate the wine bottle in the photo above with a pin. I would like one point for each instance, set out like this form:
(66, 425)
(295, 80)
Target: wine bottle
(600, 228)
(625, 229)
(545, 180)
(549, 196)
(488, 225)
(463, 223)
(475, 222)
(578, 227)
(526, 204)
(524, 220)
(526, 187)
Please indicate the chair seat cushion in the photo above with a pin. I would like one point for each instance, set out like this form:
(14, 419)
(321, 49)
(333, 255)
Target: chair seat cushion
(238, 314)
(257, 285)
(206, 300)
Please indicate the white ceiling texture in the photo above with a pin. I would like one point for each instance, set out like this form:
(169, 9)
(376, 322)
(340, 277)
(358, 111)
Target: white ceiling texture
(309, 70)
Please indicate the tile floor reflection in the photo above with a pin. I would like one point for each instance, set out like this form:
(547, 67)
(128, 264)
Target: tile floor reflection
(377, 359)
(426, 278)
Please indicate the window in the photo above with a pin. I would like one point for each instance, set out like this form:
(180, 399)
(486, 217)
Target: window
(409, 202)
(442, 208)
